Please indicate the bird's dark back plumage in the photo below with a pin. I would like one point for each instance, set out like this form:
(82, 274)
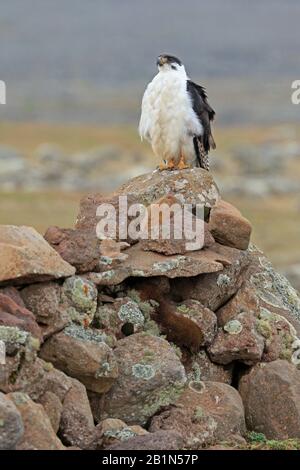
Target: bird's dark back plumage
(205, 113)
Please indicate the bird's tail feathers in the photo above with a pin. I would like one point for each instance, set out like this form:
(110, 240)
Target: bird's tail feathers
(212, 142)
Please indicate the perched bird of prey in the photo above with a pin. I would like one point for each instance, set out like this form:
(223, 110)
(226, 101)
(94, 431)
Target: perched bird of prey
(176, 117)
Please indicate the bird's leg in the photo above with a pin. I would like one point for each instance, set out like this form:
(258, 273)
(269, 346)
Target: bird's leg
(169, 165)
(163, 166)
(182, 165)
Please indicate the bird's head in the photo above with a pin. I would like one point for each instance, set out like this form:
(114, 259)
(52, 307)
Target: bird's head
(167, 62)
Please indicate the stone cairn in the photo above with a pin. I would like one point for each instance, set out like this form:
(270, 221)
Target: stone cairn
(123, 344)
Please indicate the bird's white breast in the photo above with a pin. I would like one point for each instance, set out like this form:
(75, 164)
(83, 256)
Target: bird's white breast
(168, 120)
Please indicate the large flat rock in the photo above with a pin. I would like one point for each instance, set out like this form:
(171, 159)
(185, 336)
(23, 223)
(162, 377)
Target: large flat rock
(148, 264)
(26, 257)
(191, 186)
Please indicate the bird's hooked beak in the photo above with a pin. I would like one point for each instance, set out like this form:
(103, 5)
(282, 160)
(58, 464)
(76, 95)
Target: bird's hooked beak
(161, 60)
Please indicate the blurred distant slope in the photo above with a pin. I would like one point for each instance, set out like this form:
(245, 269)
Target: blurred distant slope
(74, 60)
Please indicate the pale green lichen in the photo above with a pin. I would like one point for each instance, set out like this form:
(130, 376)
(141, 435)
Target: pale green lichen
(20, 398)
(233, 327)
(265, 314)
(143, 371)
(103, 370)
(47, 366)
(177, 350)
(166, 266)
(198, 413)
(264, 327)
(161, 398)
(183, 309)
(89, 334)
(195, 374)
(275, 289)
(120, 434)
(223, 280)
(13, 335)
(80, 296)
(130, 312)
(106, 260)
(148, 309)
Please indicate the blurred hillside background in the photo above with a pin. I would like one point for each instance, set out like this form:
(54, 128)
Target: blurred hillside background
(76, 70)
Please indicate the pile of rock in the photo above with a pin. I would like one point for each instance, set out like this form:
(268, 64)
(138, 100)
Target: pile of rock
(115, 344)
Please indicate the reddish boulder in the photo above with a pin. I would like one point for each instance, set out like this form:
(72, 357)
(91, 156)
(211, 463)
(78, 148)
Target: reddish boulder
(228, 226)
(206, 413)
(80, 247)
(151, 376)
(198, 367)
(215, 288)
(238, 340)
(271, 396)
(12, 314)
(38, 432)
(26, 257)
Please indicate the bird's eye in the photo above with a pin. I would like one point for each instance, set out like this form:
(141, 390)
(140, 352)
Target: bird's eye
(173, 67)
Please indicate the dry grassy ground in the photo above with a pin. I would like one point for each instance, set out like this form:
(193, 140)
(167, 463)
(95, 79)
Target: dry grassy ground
(275, 219)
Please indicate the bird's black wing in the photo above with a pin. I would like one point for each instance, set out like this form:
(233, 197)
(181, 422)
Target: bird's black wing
(204, 112)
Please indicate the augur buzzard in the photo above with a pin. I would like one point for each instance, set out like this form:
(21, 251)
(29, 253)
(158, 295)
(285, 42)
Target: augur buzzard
(176, 117)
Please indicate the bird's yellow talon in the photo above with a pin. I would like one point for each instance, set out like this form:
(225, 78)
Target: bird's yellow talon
(182, 165)
(171, 164)
(163, 166)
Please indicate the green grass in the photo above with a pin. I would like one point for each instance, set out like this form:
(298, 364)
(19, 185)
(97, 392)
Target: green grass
(258, 441)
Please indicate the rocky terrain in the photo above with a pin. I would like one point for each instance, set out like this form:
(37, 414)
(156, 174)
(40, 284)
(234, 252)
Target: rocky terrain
(131, 344)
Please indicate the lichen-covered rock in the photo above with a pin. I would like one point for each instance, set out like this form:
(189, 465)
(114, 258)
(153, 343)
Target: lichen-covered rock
(80, 248)
(207, 412)
(271, 396)
(160, 440)
(151, 376)
(188, 324)
(38, 432)
(228, 226)
(112, 431)
(21, 351)
(83, 354)
(80, 297)
(238, 340)
(12, 314)
(144, 264)
(199, 367)
(44, 300)
(192, 186)
(274, 322)
(274, 290)
(11, 425)
(216, 288)
(120, 318)
(26, 257)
